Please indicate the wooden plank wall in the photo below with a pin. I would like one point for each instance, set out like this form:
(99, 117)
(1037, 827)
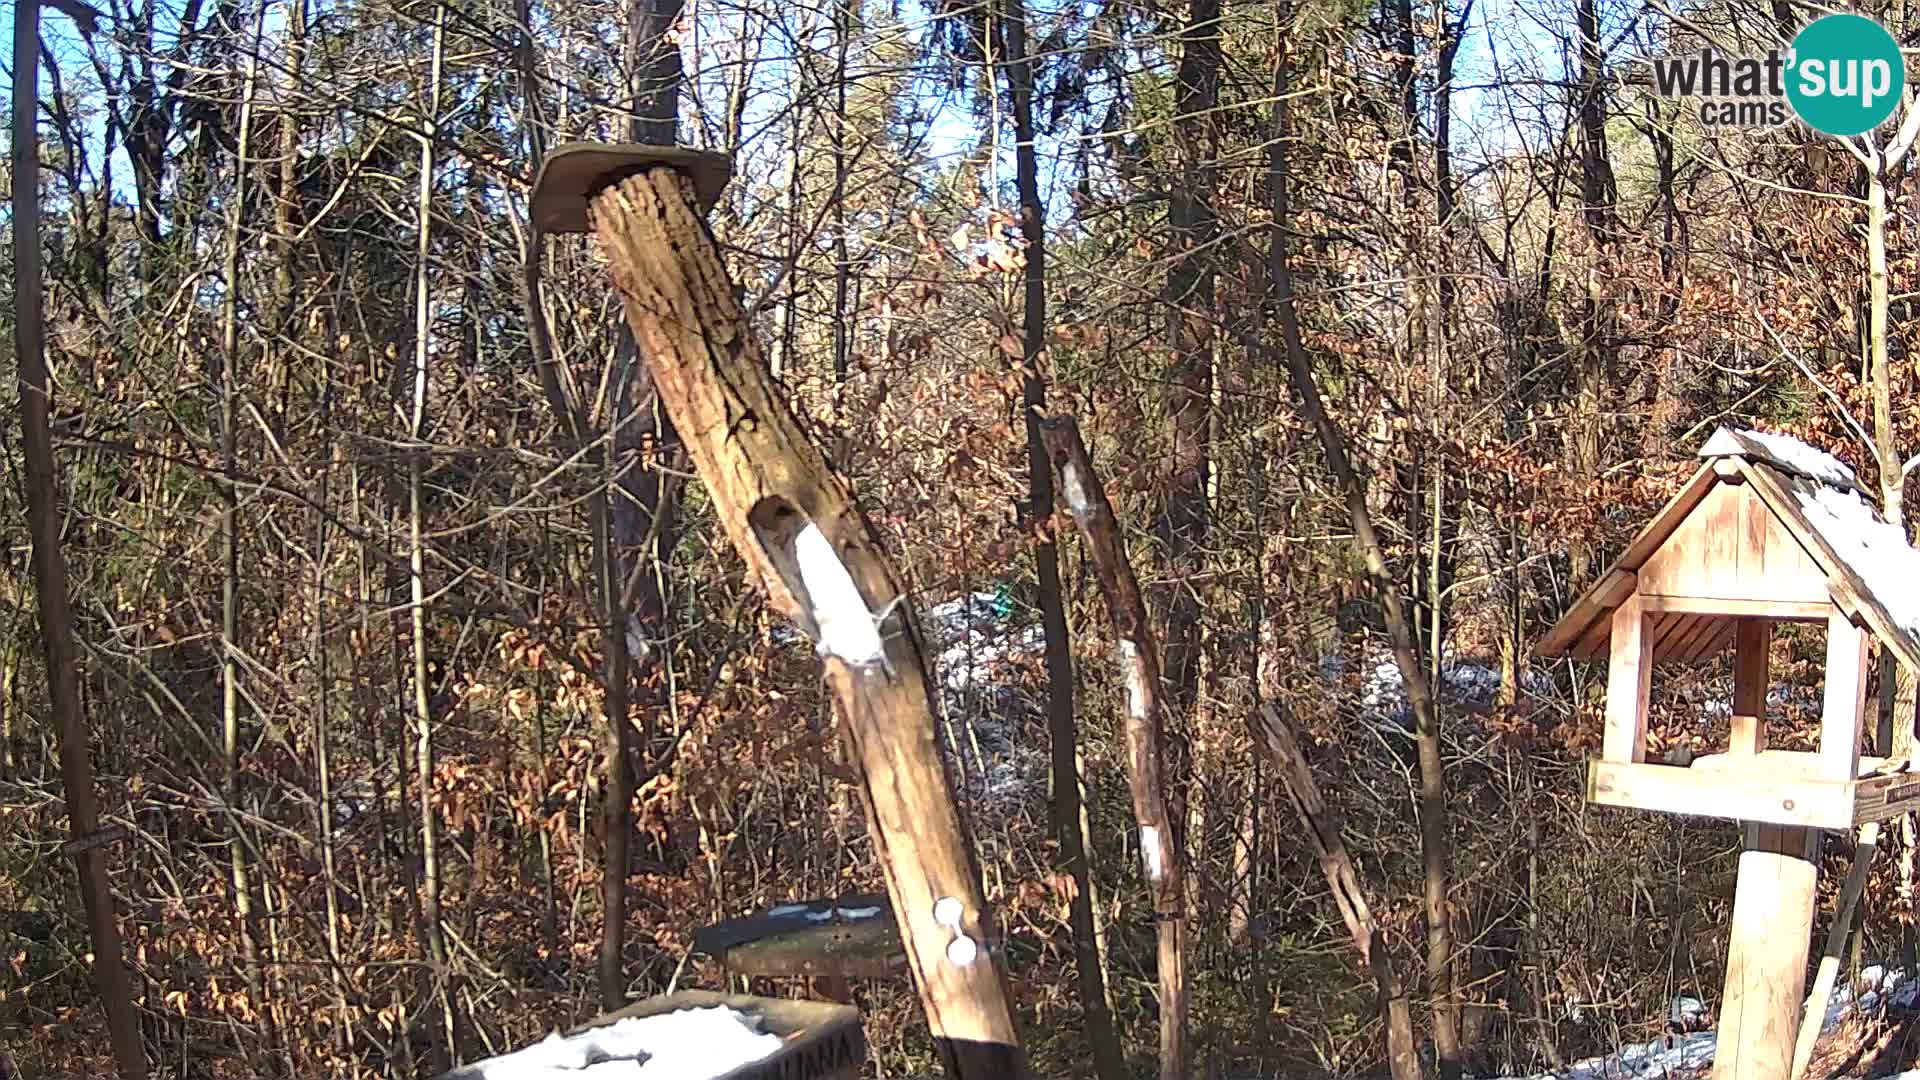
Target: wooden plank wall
(1732, 548)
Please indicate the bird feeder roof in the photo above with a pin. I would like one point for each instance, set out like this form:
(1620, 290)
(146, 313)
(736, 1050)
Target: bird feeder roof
(1768, 526)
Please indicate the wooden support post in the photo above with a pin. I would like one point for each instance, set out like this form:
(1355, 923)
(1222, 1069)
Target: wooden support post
(1846, 698)
(1767, 955)
(1629, 678)
(794, 520)
(1086, 499)
(834, 988)
(1750, 639)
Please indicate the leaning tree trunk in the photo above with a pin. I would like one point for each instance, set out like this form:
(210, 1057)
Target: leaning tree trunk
(1435, 843)
(1275, 737)
(1160, 850)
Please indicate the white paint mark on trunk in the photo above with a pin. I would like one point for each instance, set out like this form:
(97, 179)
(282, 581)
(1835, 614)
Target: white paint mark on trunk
(1150, 852)
(847, 629)
(1075, 490)
(962, 951)
(1136, 676)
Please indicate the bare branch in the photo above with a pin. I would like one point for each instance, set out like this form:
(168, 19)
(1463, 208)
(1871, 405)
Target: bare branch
(1909, 128)
(1839, 406)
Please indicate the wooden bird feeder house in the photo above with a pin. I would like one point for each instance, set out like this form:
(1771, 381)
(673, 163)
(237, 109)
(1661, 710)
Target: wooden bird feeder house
(1769, 530)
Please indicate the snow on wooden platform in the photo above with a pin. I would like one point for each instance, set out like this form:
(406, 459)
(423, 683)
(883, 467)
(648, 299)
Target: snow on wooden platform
(687, 1044)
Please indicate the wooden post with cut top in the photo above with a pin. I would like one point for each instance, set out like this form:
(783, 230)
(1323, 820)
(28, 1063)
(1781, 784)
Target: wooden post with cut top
(1085, 497)
(794, 520)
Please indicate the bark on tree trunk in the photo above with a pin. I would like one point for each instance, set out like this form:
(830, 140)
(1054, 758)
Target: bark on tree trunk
(1598, 350)
(446, 1037)
(322, 714)
(1906, 693)
(1190, 299)
(795, 523)
(635, 516)
(1108, 1061)
(1445, 493)
(49, 566)
(556, 383)
(1161, 851)
(225, 377)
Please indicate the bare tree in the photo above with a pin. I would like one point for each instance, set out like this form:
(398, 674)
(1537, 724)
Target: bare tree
(88, 843)
(1104, 1041)
(422, 710)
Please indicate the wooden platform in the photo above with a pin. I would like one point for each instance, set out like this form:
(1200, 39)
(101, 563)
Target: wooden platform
(1775, 786)
(852, 937)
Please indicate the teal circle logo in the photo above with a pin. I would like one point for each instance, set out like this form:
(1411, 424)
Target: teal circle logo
(1847, 76)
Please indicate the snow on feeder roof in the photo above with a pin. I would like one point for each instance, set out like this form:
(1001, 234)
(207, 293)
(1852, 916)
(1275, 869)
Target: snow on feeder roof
(852, 936)
(1771, 526)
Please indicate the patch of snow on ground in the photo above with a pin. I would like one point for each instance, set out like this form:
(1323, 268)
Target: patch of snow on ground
(1718, 703)
(1383, 698)
(687, 1044)
(1642, 1061)
(1880, 989)
(972, 647)
(1687, 1013)
(971, 641)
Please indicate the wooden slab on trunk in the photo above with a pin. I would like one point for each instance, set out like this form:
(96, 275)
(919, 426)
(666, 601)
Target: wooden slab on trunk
(854, 937)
